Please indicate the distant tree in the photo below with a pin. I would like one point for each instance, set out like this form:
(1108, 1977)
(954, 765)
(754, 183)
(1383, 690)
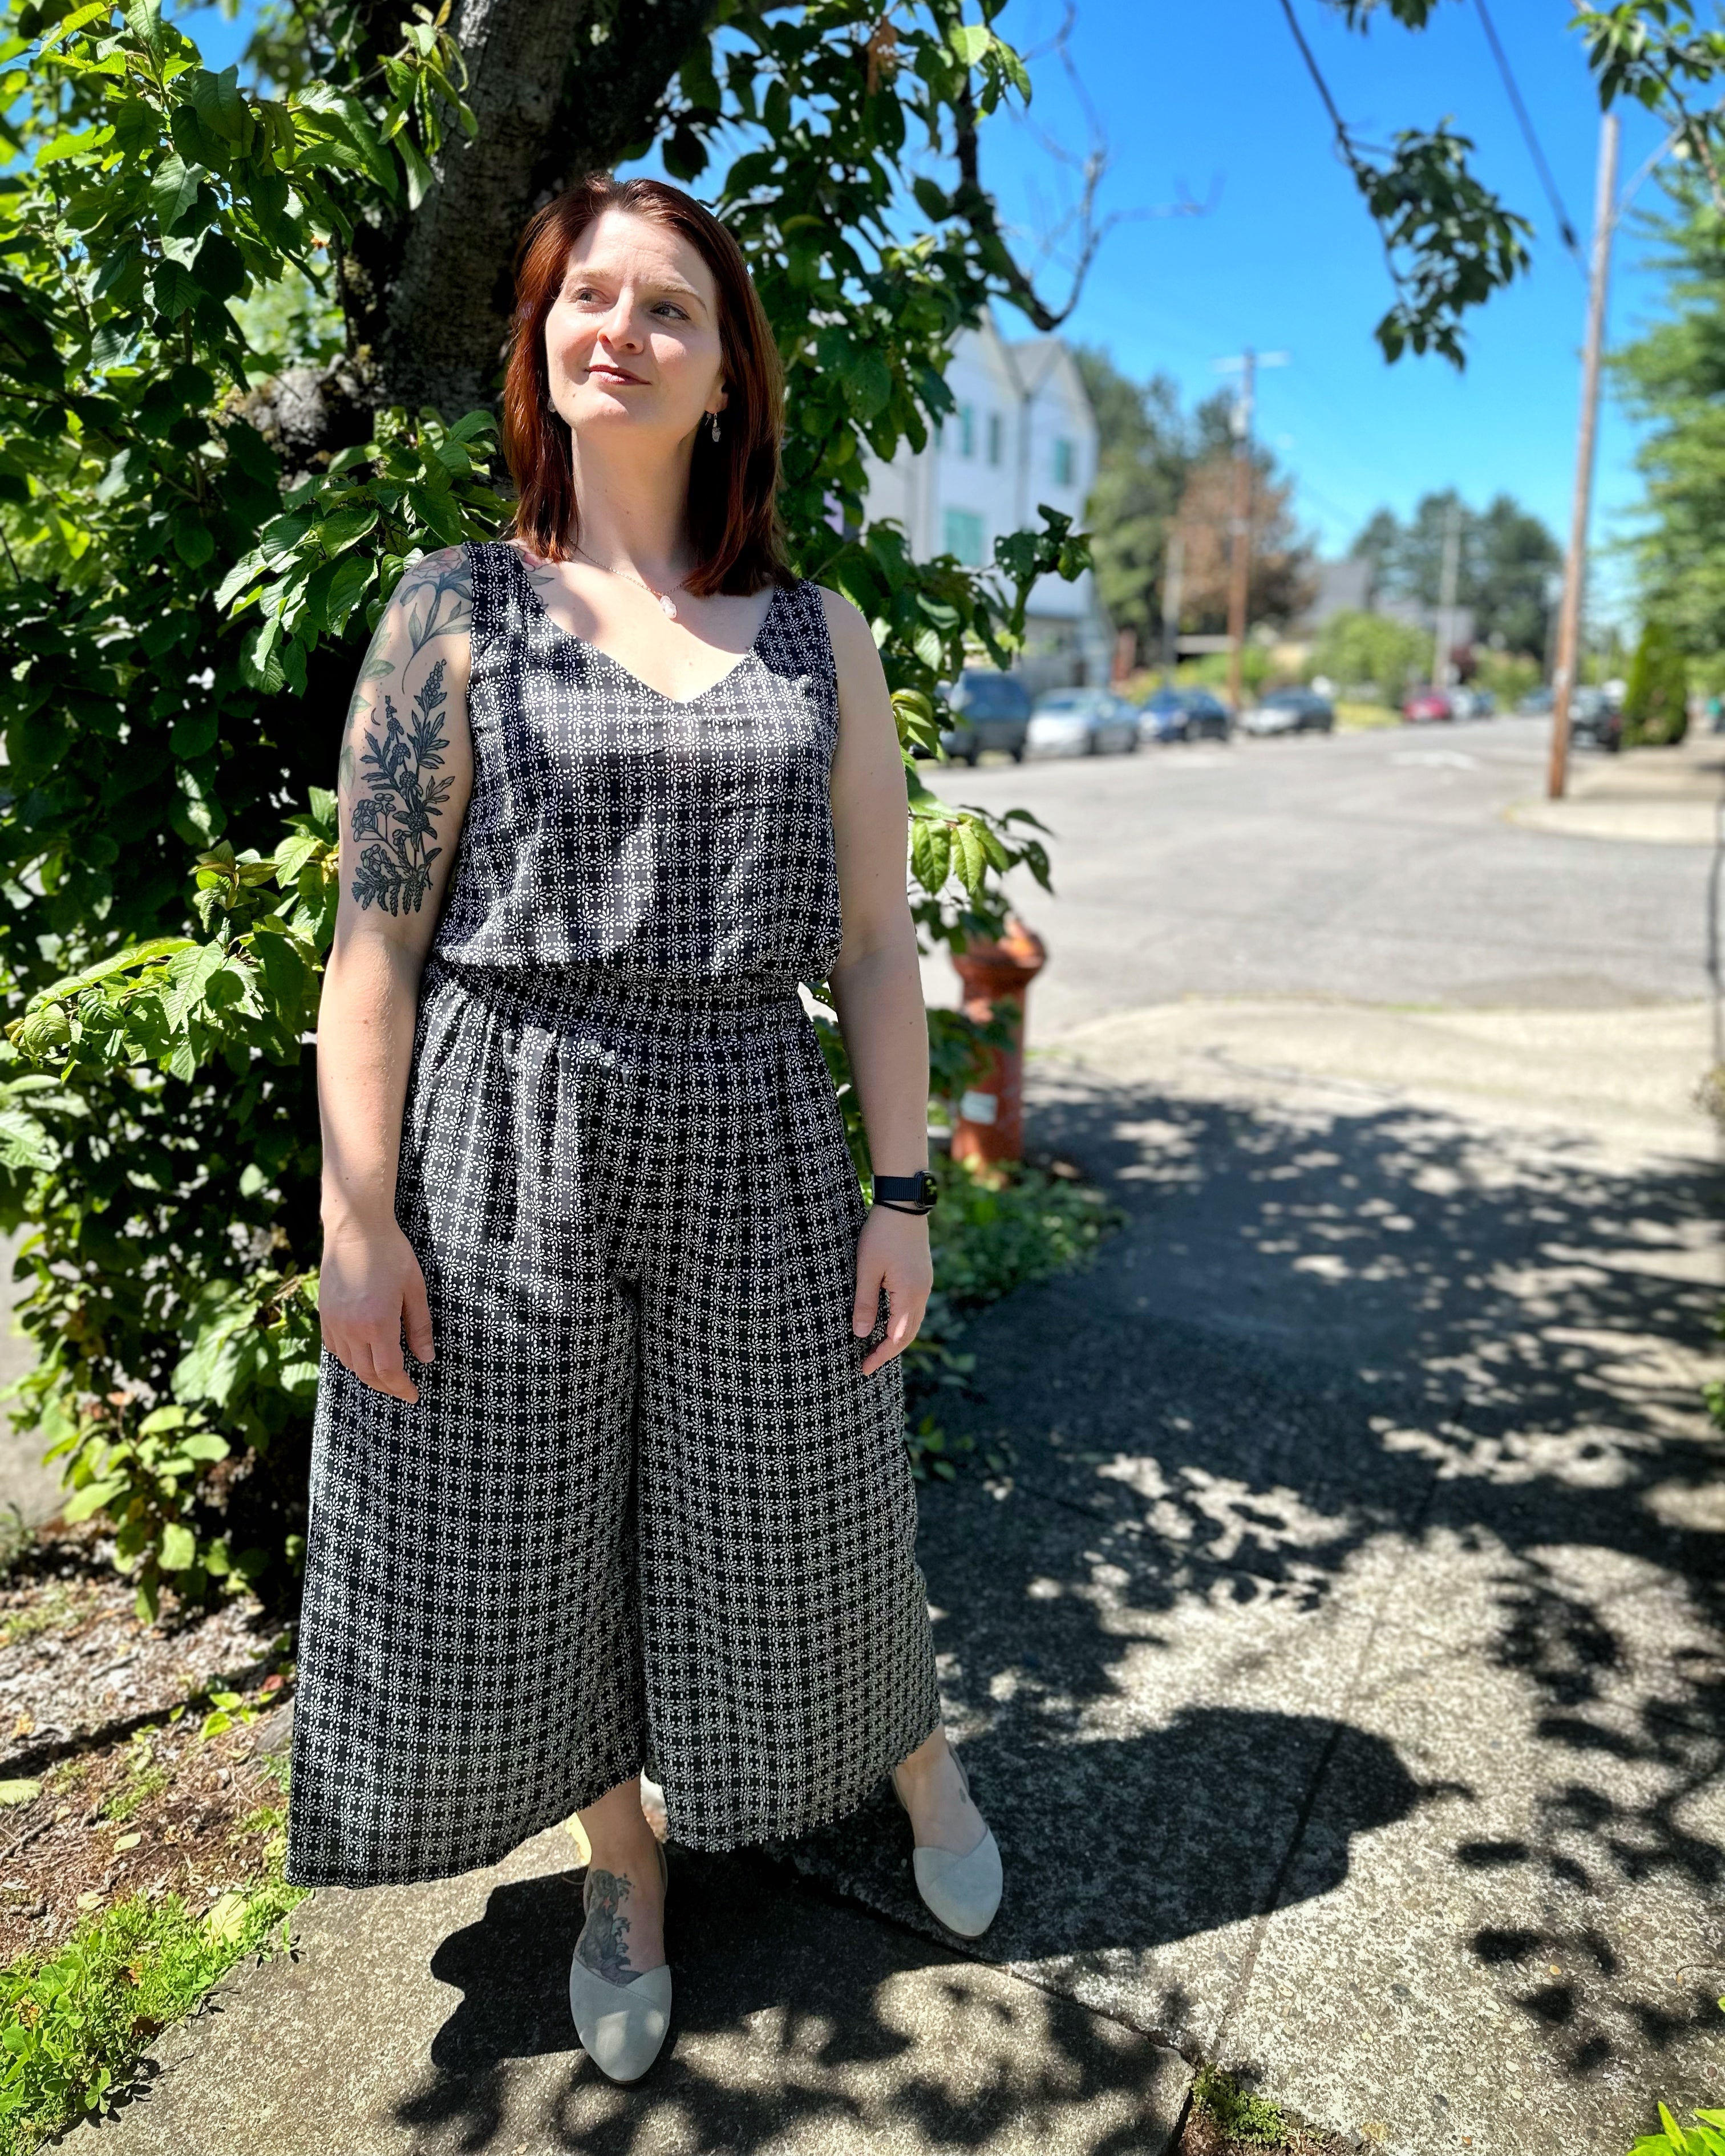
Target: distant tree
(1142, 465)
(1158, 468)
(1283, 582)
(1368, 652)
(1656, 705)
(1672, 379)
(1505, 562)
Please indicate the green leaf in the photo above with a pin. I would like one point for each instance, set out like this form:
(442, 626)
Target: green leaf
(970, 41)
(347, 587)
(19, 1792)
(179, 1547)
(194, 543)
(194, 732)
(420, 178)
(244, 573)
(190, 977)
(281, 536)
(931, 853)
(345, 527)
(220, 106)
(175, 288)
(219, 266)
(172, 191)
(93, 1497)
(969, 858)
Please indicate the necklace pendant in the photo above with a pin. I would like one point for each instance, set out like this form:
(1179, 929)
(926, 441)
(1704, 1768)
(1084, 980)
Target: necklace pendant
(668, 604)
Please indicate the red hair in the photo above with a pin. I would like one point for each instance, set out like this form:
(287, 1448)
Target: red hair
(733, 486)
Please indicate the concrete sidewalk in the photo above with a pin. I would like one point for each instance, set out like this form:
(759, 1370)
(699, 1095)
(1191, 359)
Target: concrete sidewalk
(1669, 797)
(435, 2020)
(1343, 1655)
(1342, 1664)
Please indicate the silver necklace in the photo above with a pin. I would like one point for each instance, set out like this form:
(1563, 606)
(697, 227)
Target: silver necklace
(668, 605)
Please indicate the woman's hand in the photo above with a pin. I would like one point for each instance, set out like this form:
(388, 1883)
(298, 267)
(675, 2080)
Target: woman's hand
(891, 1252)
(370, 1287)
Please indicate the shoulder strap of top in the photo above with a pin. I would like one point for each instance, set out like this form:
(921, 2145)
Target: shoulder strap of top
(488, 572)
(806, 615)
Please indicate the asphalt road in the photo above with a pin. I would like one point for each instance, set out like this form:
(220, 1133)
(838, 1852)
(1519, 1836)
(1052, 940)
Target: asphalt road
(1377, 867)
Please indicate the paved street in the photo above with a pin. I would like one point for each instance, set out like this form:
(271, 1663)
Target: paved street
(1383, 867)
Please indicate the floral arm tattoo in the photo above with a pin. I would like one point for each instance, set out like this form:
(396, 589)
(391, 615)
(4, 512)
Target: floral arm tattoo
(397, 797)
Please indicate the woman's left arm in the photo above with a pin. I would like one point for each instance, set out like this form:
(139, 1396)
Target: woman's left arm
(877, 983)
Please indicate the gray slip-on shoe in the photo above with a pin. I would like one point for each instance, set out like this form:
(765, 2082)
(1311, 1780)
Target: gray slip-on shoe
(963, 1891)
(622, 2027)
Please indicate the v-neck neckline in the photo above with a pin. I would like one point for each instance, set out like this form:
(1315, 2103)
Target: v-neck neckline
(599, 651)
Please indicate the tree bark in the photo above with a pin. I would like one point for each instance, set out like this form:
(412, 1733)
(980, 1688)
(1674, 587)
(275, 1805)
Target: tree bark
(558, 87)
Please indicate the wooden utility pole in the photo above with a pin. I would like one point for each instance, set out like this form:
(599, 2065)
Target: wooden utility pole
(1575, 562)
(1240, 549)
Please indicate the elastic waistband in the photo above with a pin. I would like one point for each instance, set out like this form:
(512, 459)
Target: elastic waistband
(596, 995)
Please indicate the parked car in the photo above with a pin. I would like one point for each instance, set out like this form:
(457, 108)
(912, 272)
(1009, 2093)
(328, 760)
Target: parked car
(1183, 715)
(1081, 722)
(990, 710)
(1290, 711)
(1595, 719)
(1536, 704)
(1426, 706)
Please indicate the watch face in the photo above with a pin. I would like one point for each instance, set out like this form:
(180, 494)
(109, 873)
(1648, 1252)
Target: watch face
(929, 1189)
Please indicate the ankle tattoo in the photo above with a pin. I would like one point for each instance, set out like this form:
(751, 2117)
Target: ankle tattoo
(603, 1944)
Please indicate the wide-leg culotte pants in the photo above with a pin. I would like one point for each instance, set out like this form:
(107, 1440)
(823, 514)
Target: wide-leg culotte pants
(647, 1512)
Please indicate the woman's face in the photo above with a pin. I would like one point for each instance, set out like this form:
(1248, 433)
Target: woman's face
(631, 340)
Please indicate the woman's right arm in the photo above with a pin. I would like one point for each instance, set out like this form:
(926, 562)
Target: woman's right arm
(402, 783)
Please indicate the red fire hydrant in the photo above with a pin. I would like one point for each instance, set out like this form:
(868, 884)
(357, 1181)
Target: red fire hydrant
(990, 1125)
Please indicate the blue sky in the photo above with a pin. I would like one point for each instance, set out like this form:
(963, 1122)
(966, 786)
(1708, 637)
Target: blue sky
(1212, 93)
(1288, 261)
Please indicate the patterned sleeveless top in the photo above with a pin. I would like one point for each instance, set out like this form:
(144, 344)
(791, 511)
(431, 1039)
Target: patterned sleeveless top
(613, 828)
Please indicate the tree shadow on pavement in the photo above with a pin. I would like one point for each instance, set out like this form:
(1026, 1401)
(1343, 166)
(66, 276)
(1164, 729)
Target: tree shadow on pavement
(798, 2022)
(1432, 1389)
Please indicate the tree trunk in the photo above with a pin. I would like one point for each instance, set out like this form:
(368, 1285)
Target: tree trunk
(558, 87)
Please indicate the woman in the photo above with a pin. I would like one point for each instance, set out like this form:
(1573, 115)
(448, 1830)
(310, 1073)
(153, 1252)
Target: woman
(635, 1496)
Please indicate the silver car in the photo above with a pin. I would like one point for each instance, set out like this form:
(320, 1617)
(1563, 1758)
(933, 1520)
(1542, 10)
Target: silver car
(1082, 722)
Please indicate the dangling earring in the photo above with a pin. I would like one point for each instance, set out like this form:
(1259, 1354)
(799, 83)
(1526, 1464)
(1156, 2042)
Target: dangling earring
(713, 421)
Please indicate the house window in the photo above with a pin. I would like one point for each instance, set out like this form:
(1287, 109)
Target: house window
(964, 536)
(1063, 462)
(993, 438)
(967, 431)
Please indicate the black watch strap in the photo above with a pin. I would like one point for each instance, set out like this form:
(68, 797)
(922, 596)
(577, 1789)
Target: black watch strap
(907, 1193)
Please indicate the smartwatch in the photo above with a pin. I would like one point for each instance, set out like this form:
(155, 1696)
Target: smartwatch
(907, 1193)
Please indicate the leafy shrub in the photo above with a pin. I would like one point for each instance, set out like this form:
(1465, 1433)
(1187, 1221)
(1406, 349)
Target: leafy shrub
(1367, 651)
(1655, 704)
(990, 1236)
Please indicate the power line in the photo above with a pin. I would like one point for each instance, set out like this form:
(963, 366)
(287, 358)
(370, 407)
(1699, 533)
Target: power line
(1364, 172)
(1312, 69)
(1566, 230)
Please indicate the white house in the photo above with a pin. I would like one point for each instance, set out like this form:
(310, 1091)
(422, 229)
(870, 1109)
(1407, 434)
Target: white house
(1024, 434)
